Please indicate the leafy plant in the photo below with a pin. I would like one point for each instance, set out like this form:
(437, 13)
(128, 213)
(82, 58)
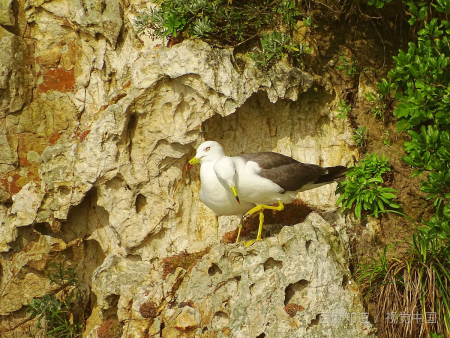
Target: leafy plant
(364, 187)
(350, 67)
(360, 136)
(343, 109)
(52, 312)
(307, 21)
(277, 46)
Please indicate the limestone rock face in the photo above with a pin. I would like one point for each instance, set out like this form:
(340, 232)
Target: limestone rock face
(96, 126)
(294, 284)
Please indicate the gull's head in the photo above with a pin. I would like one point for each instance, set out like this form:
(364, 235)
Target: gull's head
(207, 152)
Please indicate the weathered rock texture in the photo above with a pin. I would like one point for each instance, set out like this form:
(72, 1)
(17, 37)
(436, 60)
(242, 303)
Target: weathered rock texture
(278, 287)
(96, 127)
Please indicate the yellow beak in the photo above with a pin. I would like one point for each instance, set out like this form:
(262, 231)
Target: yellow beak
(192, 162)
(233, 189)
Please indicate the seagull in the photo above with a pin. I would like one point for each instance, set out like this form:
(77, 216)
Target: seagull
(219, 180)
(258, 179)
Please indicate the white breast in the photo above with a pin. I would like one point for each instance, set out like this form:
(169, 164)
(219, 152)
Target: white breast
(216, 197)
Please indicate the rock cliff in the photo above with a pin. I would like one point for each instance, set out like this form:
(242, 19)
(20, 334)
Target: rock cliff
(97, 124)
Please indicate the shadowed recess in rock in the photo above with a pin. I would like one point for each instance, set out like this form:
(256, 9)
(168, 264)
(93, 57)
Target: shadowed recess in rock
(272, 264)
(294, 289)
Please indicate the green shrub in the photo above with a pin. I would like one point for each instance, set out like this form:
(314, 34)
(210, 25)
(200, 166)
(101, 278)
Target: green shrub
(421, 77)
(364, 187)
(217, 20)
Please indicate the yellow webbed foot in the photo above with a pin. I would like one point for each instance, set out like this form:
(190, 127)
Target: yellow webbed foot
(251, 242)
(261, 207)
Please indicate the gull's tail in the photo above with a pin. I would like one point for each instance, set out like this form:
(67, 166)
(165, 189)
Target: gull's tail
(333, 174)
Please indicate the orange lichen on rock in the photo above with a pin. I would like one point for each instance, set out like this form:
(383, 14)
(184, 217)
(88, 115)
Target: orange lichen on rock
(82, 136)
(292, 309)
(9, 182)
(57, 79)
(54, 138)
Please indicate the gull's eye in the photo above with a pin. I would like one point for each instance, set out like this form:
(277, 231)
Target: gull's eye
(207, 148)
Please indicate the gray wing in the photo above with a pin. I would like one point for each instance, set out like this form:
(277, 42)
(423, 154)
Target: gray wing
(288, 173)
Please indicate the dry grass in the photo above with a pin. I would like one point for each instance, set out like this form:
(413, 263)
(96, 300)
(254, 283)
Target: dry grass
(408, 291)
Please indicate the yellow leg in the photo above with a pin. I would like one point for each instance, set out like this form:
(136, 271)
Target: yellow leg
(260, 208)
(261, 221)
(239, 231)
(216, 225)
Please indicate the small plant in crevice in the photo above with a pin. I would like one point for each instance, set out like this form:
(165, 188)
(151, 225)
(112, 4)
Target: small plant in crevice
(381, 100)
(360, 136)
(364, 188)
(387, 139)
(343, 109)
(349, 66)
(54, 311)
(277, 46)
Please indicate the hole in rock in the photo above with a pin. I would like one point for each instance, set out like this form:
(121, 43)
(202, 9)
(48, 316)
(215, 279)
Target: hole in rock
(111, 311)
(308, 243)
(64, 190)
(80, 222)
(272, 264)
(220, 320)
(293, 289)
(214, 270)
(141, 202)
(102, 7)
(43, 228)
(314, 322)
(262, 335)
(345, 281)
